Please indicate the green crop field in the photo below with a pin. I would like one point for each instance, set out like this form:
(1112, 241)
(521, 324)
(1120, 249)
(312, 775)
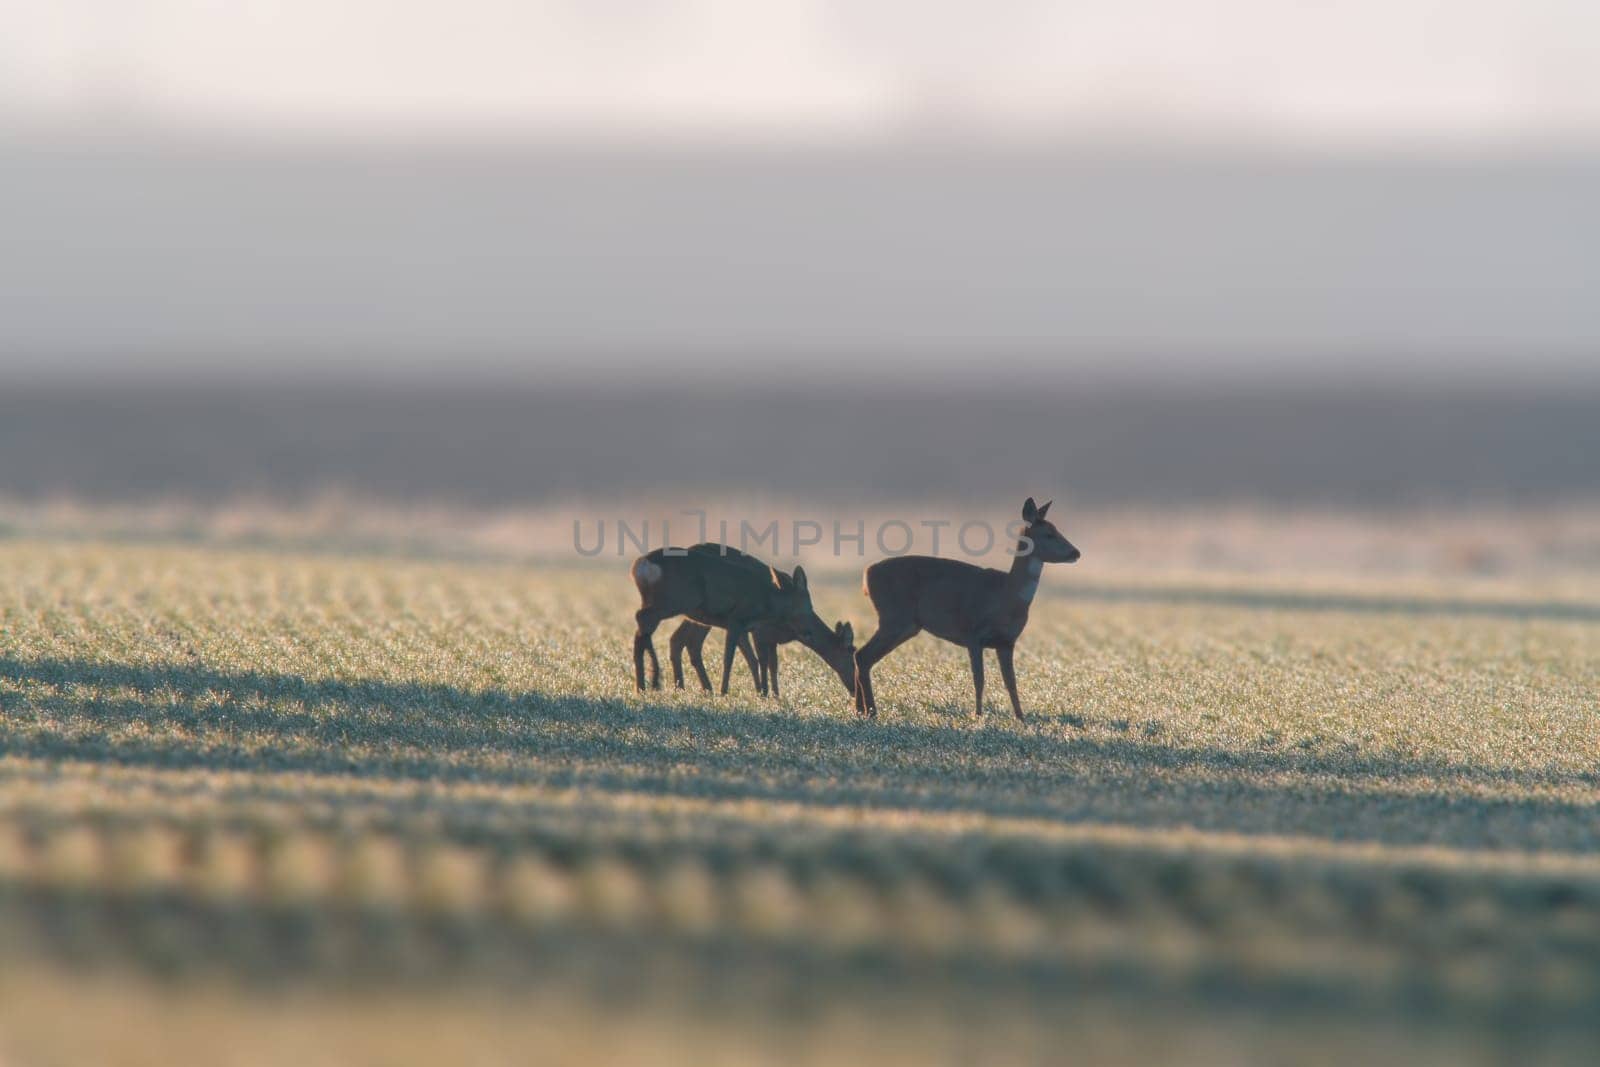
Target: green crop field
(328, 807)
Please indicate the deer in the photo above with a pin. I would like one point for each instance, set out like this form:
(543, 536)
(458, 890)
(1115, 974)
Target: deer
(974, 607)
(718, 586)
(838, 652)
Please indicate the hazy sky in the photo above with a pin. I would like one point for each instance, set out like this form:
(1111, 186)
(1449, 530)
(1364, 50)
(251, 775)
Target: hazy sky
(1357, 69)
(1144, 187)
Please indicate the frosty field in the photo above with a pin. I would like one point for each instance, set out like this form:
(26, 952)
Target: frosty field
(241, 789)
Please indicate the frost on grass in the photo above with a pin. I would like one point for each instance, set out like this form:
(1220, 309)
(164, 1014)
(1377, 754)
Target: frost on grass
(255, 762)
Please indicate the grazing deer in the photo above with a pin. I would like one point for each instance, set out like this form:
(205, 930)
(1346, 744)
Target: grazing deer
(719, 586)
(837, 650)
(975, 607)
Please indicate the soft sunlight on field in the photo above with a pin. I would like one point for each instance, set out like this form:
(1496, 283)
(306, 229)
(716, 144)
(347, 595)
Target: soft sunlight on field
(271, 767)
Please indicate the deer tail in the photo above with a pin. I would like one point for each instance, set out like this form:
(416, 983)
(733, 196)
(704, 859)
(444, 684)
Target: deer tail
(646, 572)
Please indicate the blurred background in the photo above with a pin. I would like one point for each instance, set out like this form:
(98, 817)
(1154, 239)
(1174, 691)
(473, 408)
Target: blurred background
(1293, 308)
(490, 254)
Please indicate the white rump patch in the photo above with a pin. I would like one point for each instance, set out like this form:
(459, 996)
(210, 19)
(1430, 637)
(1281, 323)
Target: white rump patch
(645, 572)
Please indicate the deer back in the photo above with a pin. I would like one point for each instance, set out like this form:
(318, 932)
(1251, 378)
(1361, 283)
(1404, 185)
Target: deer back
(721, 586)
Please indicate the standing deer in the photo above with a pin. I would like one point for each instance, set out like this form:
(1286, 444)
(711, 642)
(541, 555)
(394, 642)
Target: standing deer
(837, 650)
(719, 586)
(975, 607)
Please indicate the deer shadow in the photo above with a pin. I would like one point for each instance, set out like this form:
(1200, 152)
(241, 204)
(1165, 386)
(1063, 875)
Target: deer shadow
(177, 716)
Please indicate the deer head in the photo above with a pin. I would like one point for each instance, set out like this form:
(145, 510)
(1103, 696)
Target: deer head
(792, 598)
(1048, 544)
(839, 652)
(836, 647)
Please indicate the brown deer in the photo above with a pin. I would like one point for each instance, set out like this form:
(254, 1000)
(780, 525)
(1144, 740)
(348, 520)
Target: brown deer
(719, 586)
(975, 607)
(838, 651)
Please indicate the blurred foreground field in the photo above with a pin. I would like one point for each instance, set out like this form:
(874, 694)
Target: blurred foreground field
(260, 805)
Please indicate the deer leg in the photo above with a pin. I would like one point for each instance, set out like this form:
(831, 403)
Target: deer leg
(698, 662)
(675, 648)
(749, 661)
(736, 636)
(886, 640)
(975, 652)
(766, 675)
(753, 661)
(1009, 675)
(647, 621)
(770, 657)
(690, 638)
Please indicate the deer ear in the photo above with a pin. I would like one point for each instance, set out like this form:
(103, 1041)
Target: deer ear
(1030, 512)
(800, 578)
(847, 633)
(1044, 508)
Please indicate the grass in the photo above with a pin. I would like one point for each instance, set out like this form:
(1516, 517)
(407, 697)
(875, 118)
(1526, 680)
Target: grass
(1245, 819)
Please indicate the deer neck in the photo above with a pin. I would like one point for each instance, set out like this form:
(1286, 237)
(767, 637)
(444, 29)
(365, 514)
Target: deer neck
(1022, 581)
(840, 659)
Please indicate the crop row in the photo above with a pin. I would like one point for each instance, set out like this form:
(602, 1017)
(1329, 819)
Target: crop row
(178, 895)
